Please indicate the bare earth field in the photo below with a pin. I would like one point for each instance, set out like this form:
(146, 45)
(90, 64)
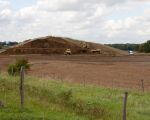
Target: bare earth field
(125, 71)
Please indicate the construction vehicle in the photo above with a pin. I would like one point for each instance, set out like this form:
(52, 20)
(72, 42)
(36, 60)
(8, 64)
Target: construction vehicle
(84, 47)
(67, 52)
(96, 51)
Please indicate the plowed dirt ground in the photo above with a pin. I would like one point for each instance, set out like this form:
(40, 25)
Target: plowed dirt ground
(116, 72)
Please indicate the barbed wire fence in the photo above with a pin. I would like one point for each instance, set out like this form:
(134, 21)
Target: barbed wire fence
(139, 85)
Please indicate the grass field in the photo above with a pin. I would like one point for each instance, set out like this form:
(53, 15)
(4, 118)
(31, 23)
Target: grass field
(54, 100)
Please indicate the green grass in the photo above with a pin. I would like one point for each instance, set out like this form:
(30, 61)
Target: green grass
(53, 100)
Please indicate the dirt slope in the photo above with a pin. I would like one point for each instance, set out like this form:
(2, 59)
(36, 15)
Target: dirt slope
(57, 45)
(106, 49)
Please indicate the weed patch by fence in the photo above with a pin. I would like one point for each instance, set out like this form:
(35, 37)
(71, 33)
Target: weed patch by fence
(47, 99)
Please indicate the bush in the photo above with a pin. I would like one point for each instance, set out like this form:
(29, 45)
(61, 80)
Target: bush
(14, 69)
(66, 96)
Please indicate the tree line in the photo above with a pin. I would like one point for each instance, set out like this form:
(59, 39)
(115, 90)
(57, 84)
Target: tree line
(144, 47)
(7, 44)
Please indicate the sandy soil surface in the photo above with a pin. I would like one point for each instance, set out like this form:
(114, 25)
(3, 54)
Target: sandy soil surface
(126, 71)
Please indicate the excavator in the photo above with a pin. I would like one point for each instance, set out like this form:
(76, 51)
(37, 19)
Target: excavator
(67, 52)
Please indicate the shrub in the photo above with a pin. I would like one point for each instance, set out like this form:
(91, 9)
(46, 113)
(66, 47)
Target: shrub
(66, 96)
(14, 69)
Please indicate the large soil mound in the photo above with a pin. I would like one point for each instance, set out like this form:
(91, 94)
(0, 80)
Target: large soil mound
(57, 45)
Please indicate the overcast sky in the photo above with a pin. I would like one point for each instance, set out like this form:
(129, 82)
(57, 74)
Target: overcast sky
(102, 21)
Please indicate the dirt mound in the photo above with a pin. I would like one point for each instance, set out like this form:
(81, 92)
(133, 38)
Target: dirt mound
(57, 45)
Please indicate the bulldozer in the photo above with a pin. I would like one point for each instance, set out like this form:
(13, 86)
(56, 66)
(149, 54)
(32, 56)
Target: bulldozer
(96, 51)
(67, 52)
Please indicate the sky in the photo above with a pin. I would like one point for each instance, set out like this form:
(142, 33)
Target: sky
(101, 21)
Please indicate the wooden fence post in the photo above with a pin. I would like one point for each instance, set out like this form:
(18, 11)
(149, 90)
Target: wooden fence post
(12, 71)
(124, 105)
(84, 82)
(142, 85)
(22, 88)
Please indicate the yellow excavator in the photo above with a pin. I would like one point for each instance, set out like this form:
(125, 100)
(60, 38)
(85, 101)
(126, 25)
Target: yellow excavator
(67, 52)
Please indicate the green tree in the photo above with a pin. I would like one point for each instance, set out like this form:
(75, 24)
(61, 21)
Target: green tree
(147, 46)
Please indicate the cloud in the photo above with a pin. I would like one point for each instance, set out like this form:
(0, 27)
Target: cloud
(93, 20)
(73, 5)
(4, 4)
(5, 12)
